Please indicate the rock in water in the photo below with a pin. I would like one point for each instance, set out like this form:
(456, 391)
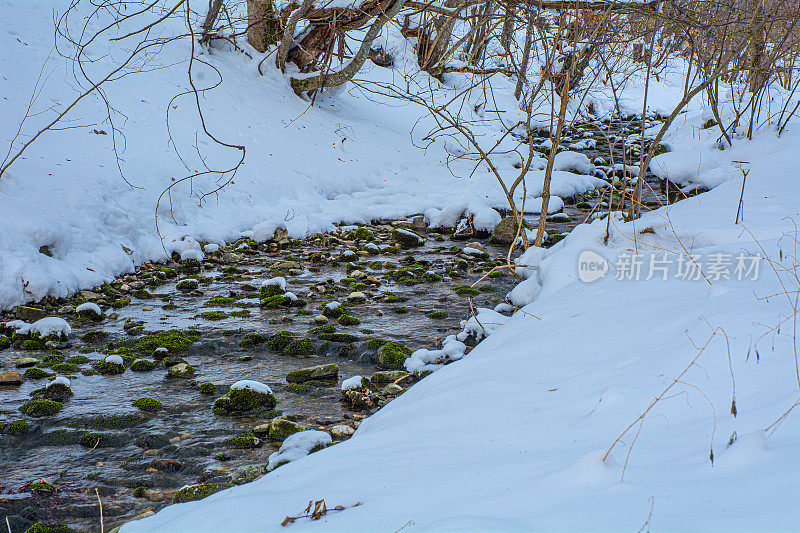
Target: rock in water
(506, 230)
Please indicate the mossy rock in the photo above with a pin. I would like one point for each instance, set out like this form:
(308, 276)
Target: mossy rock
(252, 339)
(348, 320)
(280, 340)
(151, 405)
(392, 355)
(269, 291)
(375, 344)
(118, 421)
(151, 441)
(56, 391)
(209, 389)
(214, 315)
(298, 388)
(94, 336)
(335, 312)
(198, 492)
(40, 407)
(327, 328)
(400, 309)
(37, 373)
(141, 294)
(407, 239)
(437, 315)
(280, 428)
(41, 527)
(16, 428)
(174, 340)
(319, 372)
(143, 365)
(244, 439)
(466, 290)
(5, 342)
(243, 400)
(108, 368)
(274, 302)
(299, 347)
(190, 264)
(62, 437)
(345, 338)
(66, 368)
(363, 234)
(94, 440)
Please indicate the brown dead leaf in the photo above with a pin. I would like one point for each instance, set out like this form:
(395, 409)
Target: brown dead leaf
(99, 132)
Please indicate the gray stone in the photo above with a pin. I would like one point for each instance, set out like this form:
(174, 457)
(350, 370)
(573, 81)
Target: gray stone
(26, 362)
(321, 372)
(181, 370)
(388, 376)
(11, 378)
(506, 230)
(341, 431)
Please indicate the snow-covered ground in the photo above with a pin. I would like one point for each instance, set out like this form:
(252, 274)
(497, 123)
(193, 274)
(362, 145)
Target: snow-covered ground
(512, 436)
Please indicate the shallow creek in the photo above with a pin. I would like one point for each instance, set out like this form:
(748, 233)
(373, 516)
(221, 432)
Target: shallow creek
(146, 456)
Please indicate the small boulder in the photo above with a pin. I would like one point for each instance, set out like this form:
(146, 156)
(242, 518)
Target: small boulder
(11, 379)
(181, 370)
(319, 372)
(280, 428)
(506, 230)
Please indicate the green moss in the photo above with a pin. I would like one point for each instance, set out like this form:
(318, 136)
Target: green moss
(37, 373)
(66, 368)
(32, 344)
(241, 313)
(41, 527)
(407, 239)
(244, 439)
(138, 492)
(198, 492)
(392, 297)
(5, 342)
(104, 367)
(339, 337)
(299, 347)
(208, 389)
(466, 290)
(141, 294)
(94, 336)
(252, 339)
(94, 440)
(374, 344)
(190, 264)
(143, 365)
(298, 388)
(399, 309)
(174, 340)
(437, 315)
(280, 428)
(363, 234)
(61, 437)
(327, 328)
(39, 407)
(242, 400)
(220, 301)
(118, 421)
(17, 428)
(186, 285)
(222, 457)
(41, 486)
(348, 320)
(273, 302)
(334, 313)
(214, 315)
(151, 405)
(487, 288)
(268, 291)
(392, 355)
(280, 340)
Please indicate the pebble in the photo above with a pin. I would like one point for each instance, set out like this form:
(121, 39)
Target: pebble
(356, 297)
(341, 431)
(66, 310)
(11, 378)
(320, 319)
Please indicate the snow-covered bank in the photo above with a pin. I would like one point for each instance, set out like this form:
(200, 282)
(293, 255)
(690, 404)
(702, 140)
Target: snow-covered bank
(511, 437)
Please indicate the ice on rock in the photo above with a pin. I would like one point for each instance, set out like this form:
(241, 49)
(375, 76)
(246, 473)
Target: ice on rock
(114, 359)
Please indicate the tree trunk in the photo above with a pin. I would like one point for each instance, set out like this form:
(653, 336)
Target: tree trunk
(526, 52)
(214, 7)
(262, 25)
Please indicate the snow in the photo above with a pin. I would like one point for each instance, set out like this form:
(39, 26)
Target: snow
(486, 322)
(452, 350)
(573, 162)
(192, 253)
(44, 327)
(472, 251)
(333, 305)
(89, 306)
(352, 383)
(211, 247)
(292, 296)
(114, 359)
(279, 281)
(59, 380)
(298, 445)
(256, 386)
